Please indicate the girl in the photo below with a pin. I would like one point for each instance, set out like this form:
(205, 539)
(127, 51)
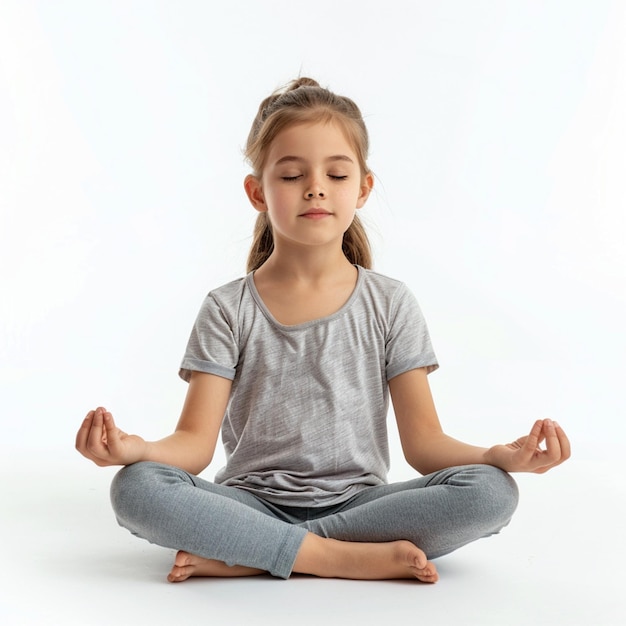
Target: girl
(295, 363)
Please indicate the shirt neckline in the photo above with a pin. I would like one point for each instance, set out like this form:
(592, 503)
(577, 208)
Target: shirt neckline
(314, 322)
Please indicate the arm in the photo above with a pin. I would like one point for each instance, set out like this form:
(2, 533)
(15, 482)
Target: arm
(190, 447)
(428, 449)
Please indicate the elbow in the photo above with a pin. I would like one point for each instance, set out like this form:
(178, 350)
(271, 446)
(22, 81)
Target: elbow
(422, 462)
(194, 455)
(417, 462)
(422, 468)
(198, 465)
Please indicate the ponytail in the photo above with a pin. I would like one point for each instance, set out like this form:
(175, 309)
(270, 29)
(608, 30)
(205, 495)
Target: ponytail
(262, 243)
(356, 245)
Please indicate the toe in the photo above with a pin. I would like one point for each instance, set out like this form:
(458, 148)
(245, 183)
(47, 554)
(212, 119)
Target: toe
(419, 561)
(182, 559)
(178, 574)
(426, 574)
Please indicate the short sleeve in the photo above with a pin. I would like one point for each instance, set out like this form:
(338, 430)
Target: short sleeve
(212, 347)
(408, 344)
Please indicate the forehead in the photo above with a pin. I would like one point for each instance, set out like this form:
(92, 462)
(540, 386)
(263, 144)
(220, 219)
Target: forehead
(310, 141)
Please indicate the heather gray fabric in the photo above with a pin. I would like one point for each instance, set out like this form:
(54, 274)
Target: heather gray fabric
(306, 424)
(439, 513)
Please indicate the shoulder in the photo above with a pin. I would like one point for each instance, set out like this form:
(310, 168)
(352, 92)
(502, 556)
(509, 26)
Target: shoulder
(391, 298)
(382, 287)
(229, 289)
(230, 293)
(226, 300)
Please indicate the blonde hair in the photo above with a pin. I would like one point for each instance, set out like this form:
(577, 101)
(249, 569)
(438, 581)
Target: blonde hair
(304, 101)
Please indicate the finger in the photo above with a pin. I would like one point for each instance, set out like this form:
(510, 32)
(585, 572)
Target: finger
(537, 459)
(535, 437)
(566, 448)
(110, 432)
(95, 445)
(83, 432)
(557, 448)
(553, 451)
(542, 434)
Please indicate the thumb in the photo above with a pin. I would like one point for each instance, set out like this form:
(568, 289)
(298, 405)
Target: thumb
(111, 431)
(533, 438)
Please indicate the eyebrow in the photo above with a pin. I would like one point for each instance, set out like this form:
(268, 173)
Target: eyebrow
(291, 159)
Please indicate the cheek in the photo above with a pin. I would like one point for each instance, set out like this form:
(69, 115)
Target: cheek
(279, 202)
(350, 196)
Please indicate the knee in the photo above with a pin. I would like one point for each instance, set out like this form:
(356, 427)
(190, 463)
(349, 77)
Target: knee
(128, 488)
(136, 487)
(498, 495)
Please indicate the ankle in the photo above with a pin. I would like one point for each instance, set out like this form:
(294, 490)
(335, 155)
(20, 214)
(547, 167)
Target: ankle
(316, 556)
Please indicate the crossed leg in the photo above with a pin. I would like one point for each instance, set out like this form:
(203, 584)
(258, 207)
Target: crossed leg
(384, 532)
(327, 558)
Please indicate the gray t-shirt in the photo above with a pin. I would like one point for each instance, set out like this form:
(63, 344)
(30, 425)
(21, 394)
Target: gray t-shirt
(306, 423)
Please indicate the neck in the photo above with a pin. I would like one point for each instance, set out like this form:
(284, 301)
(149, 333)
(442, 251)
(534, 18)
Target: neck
(306, 266)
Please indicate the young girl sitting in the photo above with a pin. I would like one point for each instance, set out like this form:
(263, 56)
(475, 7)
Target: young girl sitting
(295, 363)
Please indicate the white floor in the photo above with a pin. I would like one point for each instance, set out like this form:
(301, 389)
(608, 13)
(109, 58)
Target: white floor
(67, 562)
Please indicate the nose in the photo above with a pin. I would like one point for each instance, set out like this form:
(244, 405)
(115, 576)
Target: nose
(314, 190)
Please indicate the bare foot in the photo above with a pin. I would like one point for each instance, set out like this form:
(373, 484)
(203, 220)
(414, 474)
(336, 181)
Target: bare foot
(331, 558)
(327, 558)
(187, 565)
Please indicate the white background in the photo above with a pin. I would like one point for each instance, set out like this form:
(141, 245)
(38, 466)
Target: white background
(499, 148)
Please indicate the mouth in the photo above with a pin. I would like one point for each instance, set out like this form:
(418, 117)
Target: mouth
(316, 213)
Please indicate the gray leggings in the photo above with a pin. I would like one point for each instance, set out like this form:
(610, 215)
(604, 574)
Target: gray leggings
(439, 513)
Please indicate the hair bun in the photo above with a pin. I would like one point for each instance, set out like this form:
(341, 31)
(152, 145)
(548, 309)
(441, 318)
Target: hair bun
(269, 104)
(301, 81)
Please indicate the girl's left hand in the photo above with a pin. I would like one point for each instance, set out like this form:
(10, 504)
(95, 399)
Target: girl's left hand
(526, 454)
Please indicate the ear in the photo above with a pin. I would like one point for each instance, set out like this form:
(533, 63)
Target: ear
(366, 187)
(254, 191)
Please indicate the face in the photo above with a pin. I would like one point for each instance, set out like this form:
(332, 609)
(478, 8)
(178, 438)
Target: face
(311, 185)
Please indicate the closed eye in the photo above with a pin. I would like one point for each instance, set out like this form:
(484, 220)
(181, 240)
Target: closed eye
(298, 176)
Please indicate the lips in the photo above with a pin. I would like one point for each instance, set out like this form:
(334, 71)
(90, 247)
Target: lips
(315, 213)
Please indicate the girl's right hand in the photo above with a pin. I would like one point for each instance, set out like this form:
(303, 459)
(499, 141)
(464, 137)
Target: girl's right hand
(101, 441)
